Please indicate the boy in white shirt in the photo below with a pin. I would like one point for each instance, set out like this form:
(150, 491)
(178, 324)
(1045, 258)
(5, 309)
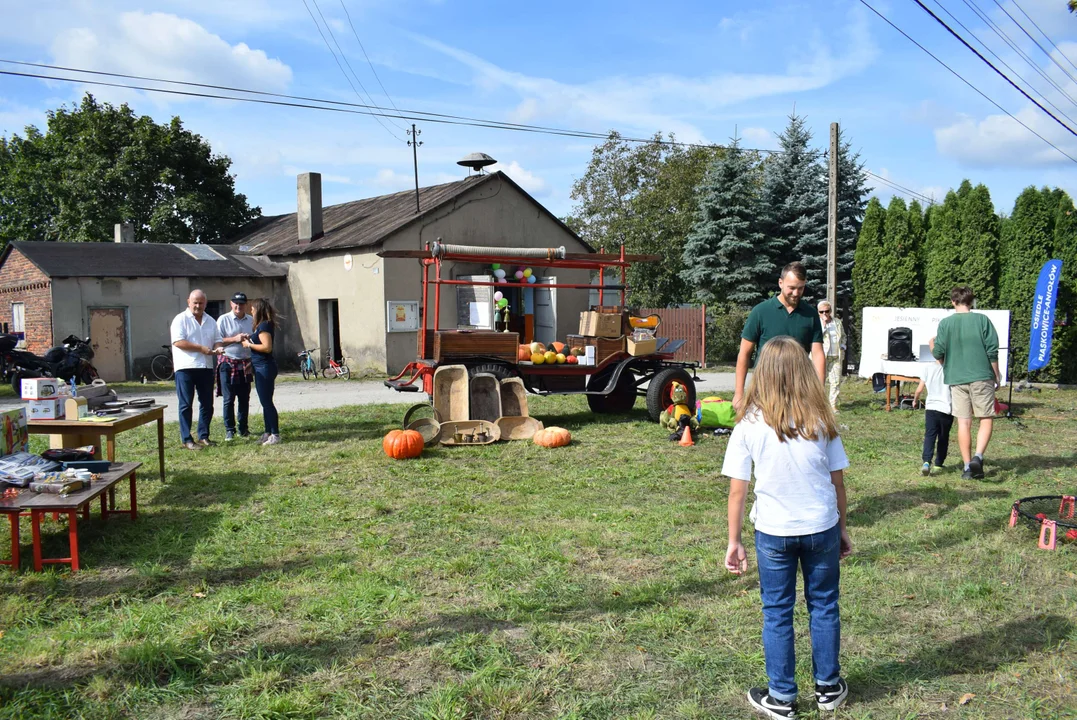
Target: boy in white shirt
(937, 417)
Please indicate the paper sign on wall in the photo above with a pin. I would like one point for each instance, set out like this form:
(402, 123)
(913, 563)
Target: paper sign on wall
(402, 316)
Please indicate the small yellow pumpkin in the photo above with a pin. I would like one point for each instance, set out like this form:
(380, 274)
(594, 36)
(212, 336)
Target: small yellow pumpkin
(403, 444)
(552, 437)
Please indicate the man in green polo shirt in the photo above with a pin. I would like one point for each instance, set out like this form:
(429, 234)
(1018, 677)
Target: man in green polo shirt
(967, 345)
(781, 315)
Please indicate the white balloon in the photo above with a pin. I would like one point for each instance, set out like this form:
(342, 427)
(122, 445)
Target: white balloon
(498, 295)
(499, 273)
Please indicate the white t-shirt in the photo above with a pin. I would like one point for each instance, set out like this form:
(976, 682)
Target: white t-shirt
(793, 491)
(938, 392)
(230, 326)
(185, 327)
(831, 329)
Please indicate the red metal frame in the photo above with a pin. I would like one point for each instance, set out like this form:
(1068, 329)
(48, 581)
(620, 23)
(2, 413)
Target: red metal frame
(425, 369)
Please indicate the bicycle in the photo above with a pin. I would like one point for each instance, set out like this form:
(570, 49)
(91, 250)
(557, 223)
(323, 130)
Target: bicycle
(335, 369)
(161, 365)
(306, 364)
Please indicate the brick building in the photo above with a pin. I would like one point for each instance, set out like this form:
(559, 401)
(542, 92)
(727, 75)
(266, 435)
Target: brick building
(122, 295)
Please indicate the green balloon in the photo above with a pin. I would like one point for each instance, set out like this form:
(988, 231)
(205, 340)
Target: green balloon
(495, 266)
(502, 302)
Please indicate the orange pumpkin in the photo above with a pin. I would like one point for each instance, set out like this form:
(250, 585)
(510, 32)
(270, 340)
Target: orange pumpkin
(524, 353)
(403, 444)
(558, 347)
(552, 437)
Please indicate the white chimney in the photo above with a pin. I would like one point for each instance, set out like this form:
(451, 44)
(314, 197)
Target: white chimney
(309, 212)
(124, 233)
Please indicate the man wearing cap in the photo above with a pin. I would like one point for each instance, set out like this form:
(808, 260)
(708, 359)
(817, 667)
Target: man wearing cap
(234, 371)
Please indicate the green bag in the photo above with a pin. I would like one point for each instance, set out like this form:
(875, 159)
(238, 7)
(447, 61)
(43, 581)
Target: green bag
(716, 412)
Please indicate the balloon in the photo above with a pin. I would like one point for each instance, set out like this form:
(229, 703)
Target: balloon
(498, 295)
(501, 280)
(531, 278)
(495, 266)
(527, 272)
(502, 302)
(519, 274)
(499, 273)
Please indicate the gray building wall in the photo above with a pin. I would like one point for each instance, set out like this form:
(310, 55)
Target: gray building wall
(151, 304)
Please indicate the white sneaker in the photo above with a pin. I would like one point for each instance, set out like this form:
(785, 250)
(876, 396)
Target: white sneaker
(262, 440)
(272, 440)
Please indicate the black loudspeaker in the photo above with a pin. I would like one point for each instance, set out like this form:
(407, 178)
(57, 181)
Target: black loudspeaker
(899, 345)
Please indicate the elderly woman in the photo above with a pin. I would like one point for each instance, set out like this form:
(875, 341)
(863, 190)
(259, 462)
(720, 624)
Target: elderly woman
(265, 366)
(834, 348)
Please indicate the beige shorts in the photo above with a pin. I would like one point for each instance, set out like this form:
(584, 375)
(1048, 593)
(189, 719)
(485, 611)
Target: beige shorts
(975, 399)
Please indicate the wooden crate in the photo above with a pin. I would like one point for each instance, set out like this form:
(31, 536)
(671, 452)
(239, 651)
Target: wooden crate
(604, 347)
(452, 345)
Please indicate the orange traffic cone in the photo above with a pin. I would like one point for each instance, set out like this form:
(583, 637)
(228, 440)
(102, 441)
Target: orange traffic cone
(686, 438)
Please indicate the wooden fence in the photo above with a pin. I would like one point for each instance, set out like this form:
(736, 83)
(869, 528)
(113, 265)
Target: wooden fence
(683, 324)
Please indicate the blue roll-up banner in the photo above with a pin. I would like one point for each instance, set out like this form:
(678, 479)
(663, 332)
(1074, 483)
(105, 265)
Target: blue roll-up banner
(1043, 315)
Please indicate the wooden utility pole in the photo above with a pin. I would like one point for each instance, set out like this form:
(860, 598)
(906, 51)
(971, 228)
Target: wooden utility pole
(415, 143)
(832, 224)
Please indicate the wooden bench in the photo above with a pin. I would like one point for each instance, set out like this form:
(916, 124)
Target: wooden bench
(38, 504)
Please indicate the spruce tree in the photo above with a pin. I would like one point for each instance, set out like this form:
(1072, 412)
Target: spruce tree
(979, 224)
(853, 192)
(1030, 235)
(914, 251)
(793, 206)
(942, 256)
(866, 268)
(726, 257)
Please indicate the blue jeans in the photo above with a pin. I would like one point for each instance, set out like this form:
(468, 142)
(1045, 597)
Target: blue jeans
(264, 382)
(936, 435)
(818, 555)
(240, 392)
(187, 383)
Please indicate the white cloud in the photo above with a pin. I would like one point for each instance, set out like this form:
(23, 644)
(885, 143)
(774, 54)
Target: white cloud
(168, 46)
(524, 178)
(663, 100)
(760, 138)
(999, 141)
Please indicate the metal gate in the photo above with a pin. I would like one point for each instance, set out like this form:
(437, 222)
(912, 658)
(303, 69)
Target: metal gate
(688, 324)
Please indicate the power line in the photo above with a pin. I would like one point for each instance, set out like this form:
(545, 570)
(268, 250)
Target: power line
(962, 79)
(901, 188)
(1044, 34)
(1001, 74)
(1041, 47)
(330, 47)
(995, 28)
(1004, 63)
(361, 47)
(342, 106)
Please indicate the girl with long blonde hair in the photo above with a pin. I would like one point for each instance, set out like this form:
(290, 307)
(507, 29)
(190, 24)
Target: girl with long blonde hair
(787, 432)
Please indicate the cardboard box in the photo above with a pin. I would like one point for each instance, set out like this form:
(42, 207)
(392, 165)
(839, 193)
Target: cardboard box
(75, 408)
(644, 346)
(50, 409)
(40, 388)
(14, 436)
(596, 324)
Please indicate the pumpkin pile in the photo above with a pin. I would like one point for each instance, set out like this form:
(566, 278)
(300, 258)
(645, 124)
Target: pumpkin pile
(552, 437)
(556, 354)
(403, 444)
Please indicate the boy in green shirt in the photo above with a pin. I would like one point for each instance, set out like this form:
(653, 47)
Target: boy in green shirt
(967, 345)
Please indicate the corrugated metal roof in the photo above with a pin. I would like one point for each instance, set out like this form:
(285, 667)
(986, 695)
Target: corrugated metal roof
(362, 223)
(108, 259)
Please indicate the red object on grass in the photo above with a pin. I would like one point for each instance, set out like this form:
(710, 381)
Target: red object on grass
(1041, 516)
(1071, 534)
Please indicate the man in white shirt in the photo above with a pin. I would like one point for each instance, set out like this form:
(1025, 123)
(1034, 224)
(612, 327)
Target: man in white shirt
(234, 372)
(196, 343)
(834, 348)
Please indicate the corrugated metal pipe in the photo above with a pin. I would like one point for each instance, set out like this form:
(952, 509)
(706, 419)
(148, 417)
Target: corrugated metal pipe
(442, 249)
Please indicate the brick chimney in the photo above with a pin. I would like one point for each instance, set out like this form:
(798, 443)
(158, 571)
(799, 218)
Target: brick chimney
(309, 212)
(124, 233)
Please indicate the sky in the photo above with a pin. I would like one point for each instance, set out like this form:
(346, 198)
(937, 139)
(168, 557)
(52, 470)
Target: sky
(705, 71)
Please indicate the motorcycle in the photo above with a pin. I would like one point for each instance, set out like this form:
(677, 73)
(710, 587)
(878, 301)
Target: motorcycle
(69, 360)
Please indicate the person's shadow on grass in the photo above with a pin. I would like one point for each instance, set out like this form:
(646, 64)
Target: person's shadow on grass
(869, 510)
(975, 654)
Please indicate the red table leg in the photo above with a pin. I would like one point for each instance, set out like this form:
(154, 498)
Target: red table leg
(13, 518)
(73, 538)
(35, 527)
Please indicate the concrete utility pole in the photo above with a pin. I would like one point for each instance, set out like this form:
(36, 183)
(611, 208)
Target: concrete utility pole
(415, 143)
(832, 223)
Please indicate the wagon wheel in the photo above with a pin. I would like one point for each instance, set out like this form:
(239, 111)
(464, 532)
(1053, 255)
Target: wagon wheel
(618, 402)
(660, 391)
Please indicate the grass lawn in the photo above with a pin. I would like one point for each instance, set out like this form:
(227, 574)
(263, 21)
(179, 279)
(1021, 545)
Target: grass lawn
(318, 578)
